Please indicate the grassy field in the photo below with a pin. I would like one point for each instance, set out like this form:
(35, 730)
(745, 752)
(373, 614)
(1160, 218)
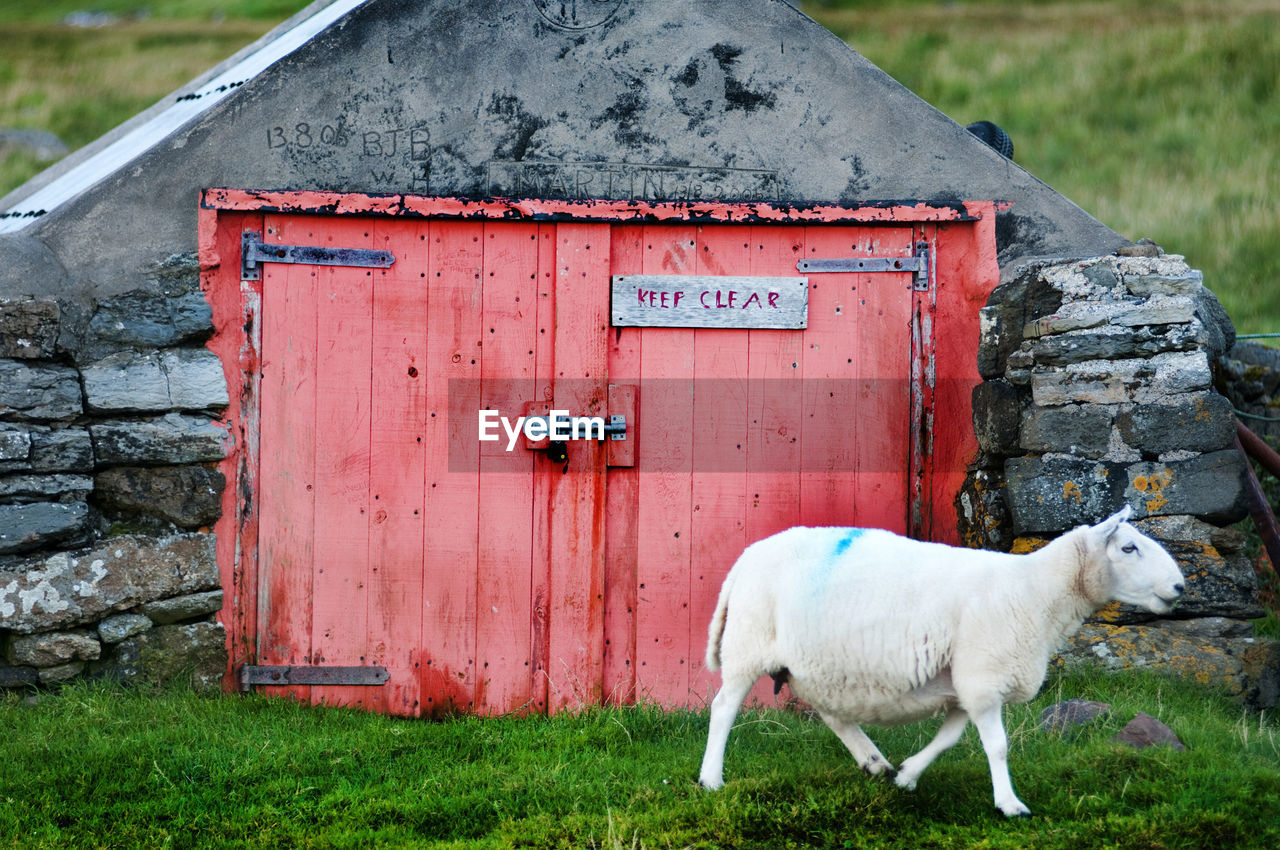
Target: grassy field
(1160, 118)
(96, 766)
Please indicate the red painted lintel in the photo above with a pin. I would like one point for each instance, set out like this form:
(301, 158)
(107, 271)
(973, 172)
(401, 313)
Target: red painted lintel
(418, 206)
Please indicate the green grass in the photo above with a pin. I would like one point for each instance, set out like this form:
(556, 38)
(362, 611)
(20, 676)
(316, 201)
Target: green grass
(96, 765)
(1159, 118)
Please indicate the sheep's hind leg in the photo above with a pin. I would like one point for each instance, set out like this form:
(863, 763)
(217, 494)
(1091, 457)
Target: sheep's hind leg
(864, 751)
(950, 732)
(724, 708)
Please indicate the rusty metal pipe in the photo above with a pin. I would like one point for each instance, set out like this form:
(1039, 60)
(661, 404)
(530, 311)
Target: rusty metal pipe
(1264, 519)
(1257, 448)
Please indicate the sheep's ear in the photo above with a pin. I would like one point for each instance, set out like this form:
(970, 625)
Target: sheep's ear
(1108, 526)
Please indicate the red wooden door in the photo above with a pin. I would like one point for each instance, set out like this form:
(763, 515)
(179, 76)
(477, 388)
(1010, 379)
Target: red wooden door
(371, 527)
(743, 433)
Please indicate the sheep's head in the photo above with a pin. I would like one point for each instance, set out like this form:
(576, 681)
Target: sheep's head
(1138, 570)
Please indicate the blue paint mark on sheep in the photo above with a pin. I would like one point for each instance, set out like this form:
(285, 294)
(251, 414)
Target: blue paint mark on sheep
(842, 545)
(822, 573)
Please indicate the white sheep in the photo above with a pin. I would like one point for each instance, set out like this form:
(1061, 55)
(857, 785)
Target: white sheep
(870, 627)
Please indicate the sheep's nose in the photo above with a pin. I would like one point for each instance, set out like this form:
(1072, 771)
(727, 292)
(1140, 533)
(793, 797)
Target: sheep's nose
(1178, 588)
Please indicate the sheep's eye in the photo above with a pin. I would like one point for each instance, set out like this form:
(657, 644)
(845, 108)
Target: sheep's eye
(1129, 548)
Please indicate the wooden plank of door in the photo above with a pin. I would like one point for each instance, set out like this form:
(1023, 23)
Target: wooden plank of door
(286, 472)
(775, 370)
(828, 487)
(447, 661)
(397, 464)
(577, 497)
(720, 443)
(622, 494)
(544, 370)
(665, 462)
(504, 677)
(343, 395)
(882, 364)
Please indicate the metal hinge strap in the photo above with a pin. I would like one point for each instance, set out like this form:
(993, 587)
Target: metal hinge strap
(918, 262)
(254, 252)
(251, 675)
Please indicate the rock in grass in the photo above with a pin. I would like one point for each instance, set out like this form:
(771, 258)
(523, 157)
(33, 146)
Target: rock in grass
(1145, 731)
(1062, 716)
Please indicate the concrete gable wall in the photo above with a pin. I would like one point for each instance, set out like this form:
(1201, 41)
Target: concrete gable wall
(724, 99)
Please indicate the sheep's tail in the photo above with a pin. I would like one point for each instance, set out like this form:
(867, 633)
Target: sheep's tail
(716, 630)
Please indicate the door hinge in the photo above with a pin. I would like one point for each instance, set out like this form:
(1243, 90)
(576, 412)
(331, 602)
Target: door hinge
(918, 263)
(254, 252)
(251, 675)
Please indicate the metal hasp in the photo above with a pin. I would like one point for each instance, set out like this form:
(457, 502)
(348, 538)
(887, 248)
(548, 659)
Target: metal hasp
(616, 427)
(254, 252)
(251, 675)
(918, 262)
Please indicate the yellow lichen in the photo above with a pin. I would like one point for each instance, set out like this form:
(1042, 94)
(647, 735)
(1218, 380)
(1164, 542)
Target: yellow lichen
(1071, 490)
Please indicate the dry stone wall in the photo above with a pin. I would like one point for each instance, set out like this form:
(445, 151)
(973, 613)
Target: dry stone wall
(1099, 390)
(108, 485)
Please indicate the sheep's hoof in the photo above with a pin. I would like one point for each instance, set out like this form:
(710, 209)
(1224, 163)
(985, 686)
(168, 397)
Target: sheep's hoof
(879, 767)
(1017, 810)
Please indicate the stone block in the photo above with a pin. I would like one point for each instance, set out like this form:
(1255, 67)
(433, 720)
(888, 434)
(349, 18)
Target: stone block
(983, 516)
(181, 608)
(18, 677)
(184, 379)
(117, 627)
(62, 450)
(61, 673)
(1219, 330)
(29, 328)
(172, 439)
(1147, 285)
(38, 525)
(1210, 486)
(1113, 343)
(38, 392)
(196, 380)
(1120, 381)
(53, 648)
(1247, 667)
(126, 381)
(1078, 429)
(147, 319)
(1197, 422)
(187, 496)
(35, 488)
(15, 445)
(80, 588)
(1055, 494)
(194, 654)
(996, 410)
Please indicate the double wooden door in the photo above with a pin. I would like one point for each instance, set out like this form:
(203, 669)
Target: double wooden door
(375, 528)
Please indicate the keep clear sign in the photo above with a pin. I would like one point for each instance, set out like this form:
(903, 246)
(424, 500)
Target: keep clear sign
(710, 301)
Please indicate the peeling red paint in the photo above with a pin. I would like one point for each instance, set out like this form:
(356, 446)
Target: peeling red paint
(417, 206)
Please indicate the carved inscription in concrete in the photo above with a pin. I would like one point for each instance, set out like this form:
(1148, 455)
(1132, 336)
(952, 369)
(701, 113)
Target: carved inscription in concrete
(626, 181)
(392, 155)
(577, 14)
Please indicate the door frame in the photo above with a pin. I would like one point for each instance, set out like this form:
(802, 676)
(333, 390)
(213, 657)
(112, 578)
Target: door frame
(962, 272)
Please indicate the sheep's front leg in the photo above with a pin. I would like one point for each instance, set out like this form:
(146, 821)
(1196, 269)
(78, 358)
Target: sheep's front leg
(996, 744)
(948, 735)
(724, 708)
(864, 751)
